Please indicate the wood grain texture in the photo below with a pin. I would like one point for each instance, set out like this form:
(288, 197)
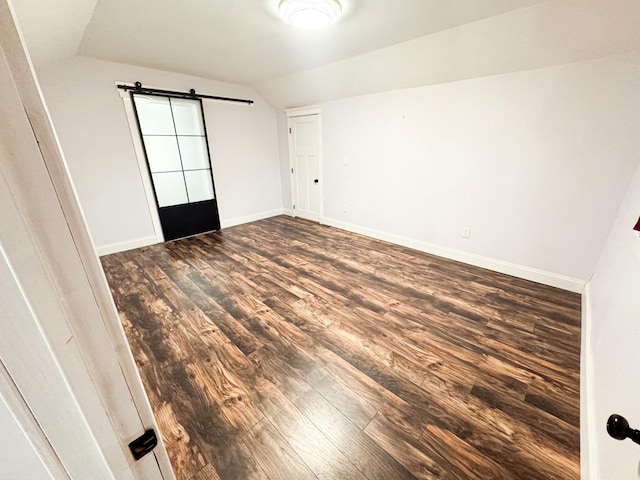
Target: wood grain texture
(282, 349)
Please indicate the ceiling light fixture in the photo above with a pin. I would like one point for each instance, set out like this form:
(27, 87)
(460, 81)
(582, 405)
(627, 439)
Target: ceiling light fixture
(310, 13)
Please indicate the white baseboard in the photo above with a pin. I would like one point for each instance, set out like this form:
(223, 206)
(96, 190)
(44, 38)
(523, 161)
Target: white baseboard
(124, 246)
(527, 273)
(588, 424)
(232, 222)
(143, 242)
(288, 211)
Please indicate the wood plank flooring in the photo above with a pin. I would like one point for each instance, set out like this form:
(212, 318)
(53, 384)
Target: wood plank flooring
(282, 349)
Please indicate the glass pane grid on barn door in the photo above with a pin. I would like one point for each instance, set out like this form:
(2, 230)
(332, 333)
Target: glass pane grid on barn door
(175, 143)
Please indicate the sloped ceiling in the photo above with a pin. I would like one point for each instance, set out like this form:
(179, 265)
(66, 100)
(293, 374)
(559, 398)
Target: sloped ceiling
(244, 41)
(53, 30)
(378, 44)
(542, 35)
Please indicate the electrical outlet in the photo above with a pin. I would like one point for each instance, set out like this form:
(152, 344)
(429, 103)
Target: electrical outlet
(345, 161)
(345, 208)
(466, 232)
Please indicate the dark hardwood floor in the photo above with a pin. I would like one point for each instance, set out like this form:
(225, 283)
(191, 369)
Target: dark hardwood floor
(282, 349)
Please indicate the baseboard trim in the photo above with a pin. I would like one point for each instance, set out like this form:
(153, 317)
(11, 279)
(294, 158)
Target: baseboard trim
(526, 273)
(124, 246)
(288, 211)
(232, 222)
(588, 424)
(143, 242)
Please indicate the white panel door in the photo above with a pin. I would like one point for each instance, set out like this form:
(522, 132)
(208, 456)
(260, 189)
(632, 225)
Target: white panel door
(305, 155)
(62, 344)
(22, 447)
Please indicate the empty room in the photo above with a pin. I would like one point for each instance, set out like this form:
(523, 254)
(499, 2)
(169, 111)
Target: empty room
(320, 239)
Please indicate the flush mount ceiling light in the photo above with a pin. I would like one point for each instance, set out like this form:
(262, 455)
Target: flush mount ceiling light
(310, 13)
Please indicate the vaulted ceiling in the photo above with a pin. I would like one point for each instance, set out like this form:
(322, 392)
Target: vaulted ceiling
(377, 45)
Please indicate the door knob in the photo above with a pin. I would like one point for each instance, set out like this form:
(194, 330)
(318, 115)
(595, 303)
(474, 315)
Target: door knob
(618, 428)
(316, 181)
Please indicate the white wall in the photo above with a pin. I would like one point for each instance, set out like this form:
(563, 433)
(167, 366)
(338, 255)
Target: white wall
(89, 117)
(612, 325)
(535, 162)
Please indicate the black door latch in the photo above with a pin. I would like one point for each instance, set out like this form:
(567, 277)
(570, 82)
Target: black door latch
(143, 444)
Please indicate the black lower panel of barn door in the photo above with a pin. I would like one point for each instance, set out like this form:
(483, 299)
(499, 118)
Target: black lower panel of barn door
(189, 219)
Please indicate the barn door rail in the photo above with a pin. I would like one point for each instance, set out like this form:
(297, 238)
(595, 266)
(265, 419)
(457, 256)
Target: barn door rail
(138, 88)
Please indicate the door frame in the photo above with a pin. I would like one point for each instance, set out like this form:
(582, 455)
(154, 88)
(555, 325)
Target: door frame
(141, 157)
(73, 321)
(304, 112)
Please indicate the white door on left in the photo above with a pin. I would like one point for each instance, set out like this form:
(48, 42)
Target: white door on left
(19, 458)
(62, 345)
